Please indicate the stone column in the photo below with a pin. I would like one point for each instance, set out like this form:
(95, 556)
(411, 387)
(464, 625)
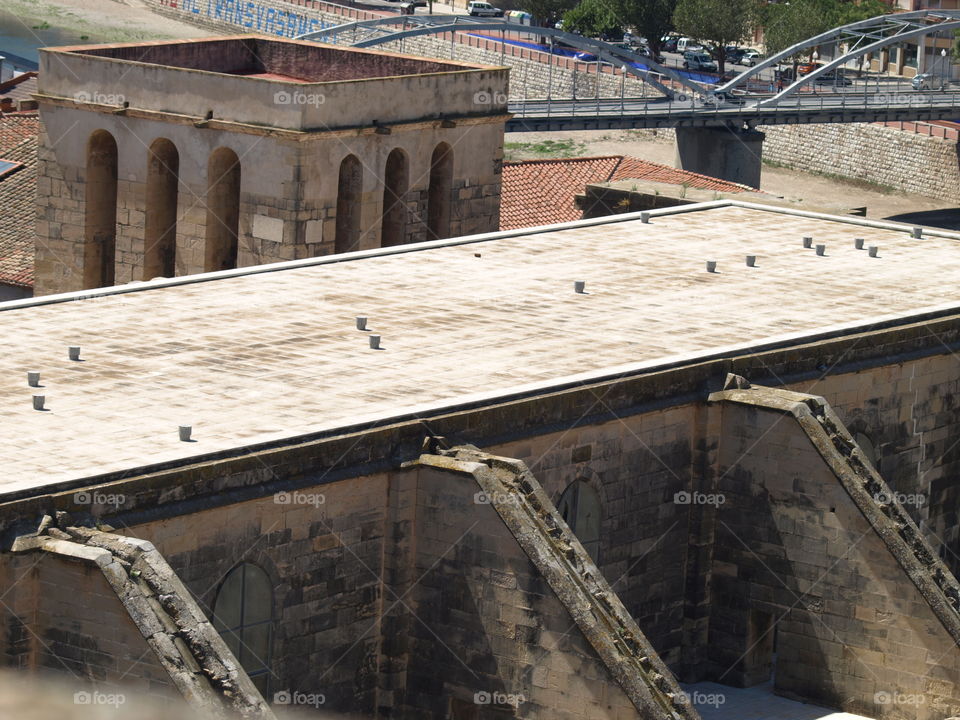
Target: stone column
(728, 153)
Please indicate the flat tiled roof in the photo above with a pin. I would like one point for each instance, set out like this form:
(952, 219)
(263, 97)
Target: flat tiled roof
(268, 355)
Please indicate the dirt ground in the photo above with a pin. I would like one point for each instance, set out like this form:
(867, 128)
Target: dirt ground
(804, 189)
(101, 20)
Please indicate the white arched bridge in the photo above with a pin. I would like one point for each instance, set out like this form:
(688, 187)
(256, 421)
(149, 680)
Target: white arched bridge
(707, 112)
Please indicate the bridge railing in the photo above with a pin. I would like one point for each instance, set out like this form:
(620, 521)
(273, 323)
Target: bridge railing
(705, 105)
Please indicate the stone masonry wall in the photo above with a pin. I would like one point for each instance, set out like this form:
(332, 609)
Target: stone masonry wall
(869, 151)
(382, 600)
(288, 197)
(62, 616)
(509, 647)
(910, 413)
(795, 556)
(322, 549)
(638, 465)
(873, 152)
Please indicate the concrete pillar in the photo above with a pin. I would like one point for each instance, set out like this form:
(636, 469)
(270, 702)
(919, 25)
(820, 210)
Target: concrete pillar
(732, 154)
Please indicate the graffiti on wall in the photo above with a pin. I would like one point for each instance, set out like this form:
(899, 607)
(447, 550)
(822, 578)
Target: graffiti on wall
(250, 15)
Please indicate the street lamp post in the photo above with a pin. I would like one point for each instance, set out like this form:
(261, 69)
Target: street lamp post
(814, 56)
(943, 70)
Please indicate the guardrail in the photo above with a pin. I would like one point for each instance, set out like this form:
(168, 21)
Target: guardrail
(833, 106)
(945, 132)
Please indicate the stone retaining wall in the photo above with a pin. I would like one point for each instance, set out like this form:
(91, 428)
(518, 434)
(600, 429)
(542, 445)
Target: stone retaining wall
(872, 152)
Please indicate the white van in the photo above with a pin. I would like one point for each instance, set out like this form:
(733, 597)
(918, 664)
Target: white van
(478, 8)
(685, 43)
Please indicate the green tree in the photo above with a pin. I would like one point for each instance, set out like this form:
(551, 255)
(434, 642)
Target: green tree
(716, 23)
(547, 12)
(786, 24)
(593, 18)
(848, 11)
(651, 19)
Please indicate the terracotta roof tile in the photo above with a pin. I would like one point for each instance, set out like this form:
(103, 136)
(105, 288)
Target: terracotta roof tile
(542, 192)
(18, 190)
(21, 87)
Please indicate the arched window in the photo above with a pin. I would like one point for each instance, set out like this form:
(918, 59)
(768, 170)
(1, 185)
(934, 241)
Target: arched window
(243, 615)
(579, 507)
(223, 210)
(394, 224)
(348, 205)
(160, 225)
(438, 197)
(100, 221)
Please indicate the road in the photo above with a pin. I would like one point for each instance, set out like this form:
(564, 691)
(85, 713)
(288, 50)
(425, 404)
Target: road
(854, 104)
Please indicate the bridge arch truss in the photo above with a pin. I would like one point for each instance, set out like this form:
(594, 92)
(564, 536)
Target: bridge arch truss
(369, 33)
(860, 38)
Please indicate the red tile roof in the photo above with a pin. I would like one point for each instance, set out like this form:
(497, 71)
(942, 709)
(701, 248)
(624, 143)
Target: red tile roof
(18, 191)
(541, 192)
(19, 88)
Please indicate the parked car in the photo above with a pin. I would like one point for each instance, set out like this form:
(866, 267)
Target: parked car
(693, 60)
(479, 8)
(832, 78)
(685, 44)
(734, 53)
(928, 81)
(646, 52)
(668, 43)
(639, 50)
(750, 58)
(729, 98)
(807, 68)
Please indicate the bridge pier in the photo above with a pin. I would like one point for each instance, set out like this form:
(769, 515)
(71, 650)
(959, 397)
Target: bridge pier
(729, 153)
